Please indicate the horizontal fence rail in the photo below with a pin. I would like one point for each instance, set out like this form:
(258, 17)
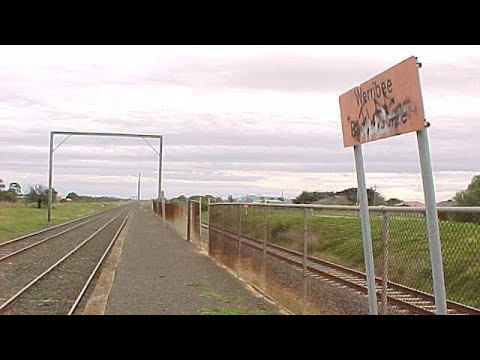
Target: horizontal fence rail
(420, 209)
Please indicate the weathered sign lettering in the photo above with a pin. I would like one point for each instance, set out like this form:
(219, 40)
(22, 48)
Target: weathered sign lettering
(387, 105)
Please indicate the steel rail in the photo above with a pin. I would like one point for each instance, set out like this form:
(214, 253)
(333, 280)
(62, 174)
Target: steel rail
(56, 226)
(52, 236)
(90, 278)
(34, 281)
(360, 276)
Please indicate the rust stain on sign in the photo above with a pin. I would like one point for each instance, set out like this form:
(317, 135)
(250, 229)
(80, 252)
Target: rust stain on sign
(389, 104)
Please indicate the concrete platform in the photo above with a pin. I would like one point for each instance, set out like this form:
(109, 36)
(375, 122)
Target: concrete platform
(158, 272)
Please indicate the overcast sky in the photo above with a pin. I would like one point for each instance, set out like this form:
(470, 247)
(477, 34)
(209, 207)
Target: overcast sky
(236, 119)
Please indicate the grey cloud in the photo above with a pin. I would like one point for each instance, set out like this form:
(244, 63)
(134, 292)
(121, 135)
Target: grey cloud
(307, 74)
(459, 77)
(278, 73)
(199, 144)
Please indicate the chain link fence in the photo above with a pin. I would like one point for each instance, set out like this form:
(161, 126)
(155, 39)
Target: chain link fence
(332, 235)
(184, 218)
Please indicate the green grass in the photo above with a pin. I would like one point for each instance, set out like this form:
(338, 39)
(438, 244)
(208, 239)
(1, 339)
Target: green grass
(337, 236)
(209, 293)
(204, 217)
(19, 218)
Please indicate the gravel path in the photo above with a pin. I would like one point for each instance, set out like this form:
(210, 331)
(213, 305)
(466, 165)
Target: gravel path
(161, 273)
(19, 270)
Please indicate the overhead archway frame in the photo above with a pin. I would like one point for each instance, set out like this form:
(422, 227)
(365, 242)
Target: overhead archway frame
(68, 134)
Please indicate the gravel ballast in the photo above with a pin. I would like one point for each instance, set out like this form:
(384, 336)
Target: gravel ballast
(19, 270)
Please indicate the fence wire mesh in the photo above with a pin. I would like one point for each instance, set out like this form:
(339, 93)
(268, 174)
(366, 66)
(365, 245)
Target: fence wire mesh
(399, 240)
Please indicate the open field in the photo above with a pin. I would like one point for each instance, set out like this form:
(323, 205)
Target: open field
(336, 236)
(19, 218)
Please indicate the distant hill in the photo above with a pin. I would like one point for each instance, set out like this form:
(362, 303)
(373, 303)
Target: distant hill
(333, 200)
(410, 204)
(447, 203)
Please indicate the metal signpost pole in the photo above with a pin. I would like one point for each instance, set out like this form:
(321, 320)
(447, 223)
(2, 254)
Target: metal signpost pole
(366, 234)
(432, 222)
(386, 105)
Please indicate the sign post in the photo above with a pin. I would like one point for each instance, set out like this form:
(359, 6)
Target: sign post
(391, 104)
(432, 222)
(366, 233)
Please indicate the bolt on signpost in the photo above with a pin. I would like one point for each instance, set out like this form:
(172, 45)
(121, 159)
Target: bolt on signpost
(391, 104)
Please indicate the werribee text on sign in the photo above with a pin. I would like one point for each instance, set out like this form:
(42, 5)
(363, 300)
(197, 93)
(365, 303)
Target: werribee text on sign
(388, 104)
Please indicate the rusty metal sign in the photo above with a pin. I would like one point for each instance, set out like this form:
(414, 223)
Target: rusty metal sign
(389, 104)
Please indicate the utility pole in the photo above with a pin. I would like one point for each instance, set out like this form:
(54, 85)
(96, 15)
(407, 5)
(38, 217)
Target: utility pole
(138, 189)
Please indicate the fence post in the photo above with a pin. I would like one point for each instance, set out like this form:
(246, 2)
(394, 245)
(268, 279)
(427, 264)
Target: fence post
(189, 219)
(200, 218)
(208, 244)
(264, 258)
(384, 261)
(221, 232)
(239, 219)
(304, 261)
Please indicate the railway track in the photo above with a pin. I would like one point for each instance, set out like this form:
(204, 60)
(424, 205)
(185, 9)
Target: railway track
(411, 301)
(14, 246)
(49, 273)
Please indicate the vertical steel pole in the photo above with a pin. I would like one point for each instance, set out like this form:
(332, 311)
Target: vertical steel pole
(209, 222)
(160, 163)
(432, 222)
(384, 261)
(264, 258)
(138, 188)
(200, 214)
(304, 261)
(189, 219)
(50, 180)
(366, 234)
(239, 219)
(199, 220)
(222, 227)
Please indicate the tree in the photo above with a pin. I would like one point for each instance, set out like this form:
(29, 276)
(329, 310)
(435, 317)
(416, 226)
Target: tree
(230, 198)
(471, 195)
(8, 196)
(181, 198)
(74, 196)
(2, 185)
(307, 197)
(15, 187)
(39, 194)
(373, 196)
(393, 201)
